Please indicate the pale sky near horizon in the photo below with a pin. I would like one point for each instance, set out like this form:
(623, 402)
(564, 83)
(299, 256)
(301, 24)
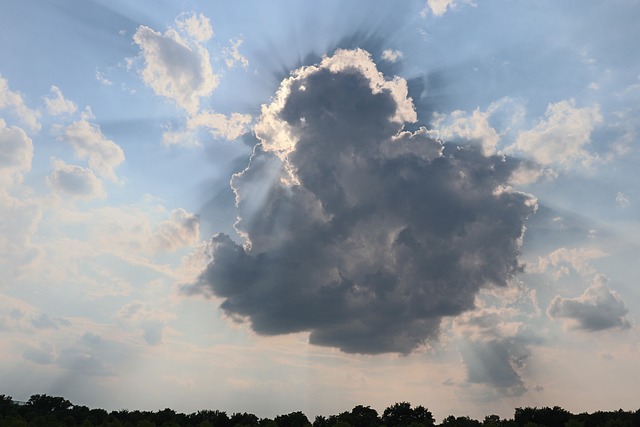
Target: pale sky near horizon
(269, 207)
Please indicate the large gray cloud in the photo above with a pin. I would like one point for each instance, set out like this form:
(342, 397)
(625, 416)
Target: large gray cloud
(355, 230)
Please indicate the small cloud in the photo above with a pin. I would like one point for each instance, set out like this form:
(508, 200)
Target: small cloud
(16, 151)
(176, 67)
(597, 309)
(102, 78)
(440, 7)
(75, 181)
(228, 127)
(196, 26)
(102, 154)
(43, 321)
(181, 229)
(561, 137)
(232, 55)
(15, 102)
(390, 55)
(622, 200)
(57, 104)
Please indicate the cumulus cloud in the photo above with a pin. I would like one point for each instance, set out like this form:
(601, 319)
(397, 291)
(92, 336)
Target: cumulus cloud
(391, 55)
(561, 137)
(102, 154)
(361, 234)
(178, 67)
(57, 104)
(13, 100)
(75, 181)
(598, 308)
(232, 55)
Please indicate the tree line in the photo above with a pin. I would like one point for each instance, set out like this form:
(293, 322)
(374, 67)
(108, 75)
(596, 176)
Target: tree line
(42, 410)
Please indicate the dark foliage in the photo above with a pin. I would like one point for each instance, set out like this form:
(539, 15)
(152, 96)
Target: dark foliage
(50, 411)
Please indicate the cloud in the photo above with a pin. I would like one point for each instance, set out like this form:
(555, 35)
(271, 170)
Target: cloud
(561, 137)
(232, 55)
(43, 321)
(176, 67)
(494, 349)
(597, 309)
(14, 101)
(181, 229)
(102, 79)
(391, 55)
(102, 154)
(486, 128)
(16, 152)
(228, 127)
(622, 200)
(355, 231)
(197, 26)
(86, 356)
(562, 258)
(440, 7)
(75, 181)
(221, 126)
(57, 104)
(140, 315)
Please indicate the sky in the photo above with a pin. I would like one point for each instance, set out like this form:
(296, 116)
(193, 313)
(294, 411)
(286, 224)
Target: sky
(277, 206)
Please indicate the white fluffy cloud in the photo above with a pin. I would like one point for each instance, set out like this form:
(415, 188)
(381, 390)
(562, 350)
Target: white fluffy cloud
(14, 101)
(75, 181)
(440, 7)
(598, 308)
(561, 137)
(102, 154)
(178, 67)
(57, 104)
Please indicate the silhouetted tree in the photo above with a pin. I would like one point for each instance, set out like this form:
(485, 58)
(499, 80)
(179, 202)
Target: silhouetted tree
(402, 415)
(293, 419)
(465, 421)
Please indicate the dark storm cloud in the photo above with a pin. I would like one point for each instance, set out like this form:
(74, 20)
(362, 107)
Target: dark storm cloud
(597, 309)
(354, 231)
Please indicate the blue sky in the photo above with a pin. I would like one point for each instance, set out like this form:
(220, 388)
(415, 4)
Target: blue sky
(279, 206)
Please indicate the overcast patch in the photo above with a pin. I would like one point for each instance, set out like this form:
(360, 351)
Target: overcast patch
(598, 308)
(355, 231)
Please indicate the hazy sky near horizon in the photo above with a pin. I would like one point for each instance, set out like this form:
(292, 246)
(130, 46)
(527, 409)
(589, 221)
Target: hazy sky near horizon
(293, 205)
